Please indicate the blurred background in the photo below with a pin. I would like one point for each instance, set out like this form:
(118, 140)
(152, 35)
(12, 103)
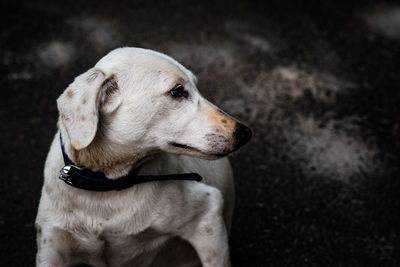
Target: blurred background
(317, 81)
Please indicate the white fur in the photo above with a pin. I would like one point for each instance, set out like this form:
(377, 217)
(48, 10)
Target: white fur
(111, 129)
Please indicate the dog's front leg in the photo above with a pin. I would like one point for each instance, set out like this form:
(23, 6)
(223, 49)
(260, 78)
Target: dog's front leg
(209, 238)
(198, 219)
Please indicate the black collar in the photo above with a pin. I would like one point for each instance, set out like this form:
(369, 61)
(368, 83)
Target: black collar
(83, 178)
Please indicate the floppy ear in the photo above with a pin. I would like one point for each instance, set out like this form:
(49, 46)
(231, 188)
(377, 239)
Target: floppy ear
(79, 105)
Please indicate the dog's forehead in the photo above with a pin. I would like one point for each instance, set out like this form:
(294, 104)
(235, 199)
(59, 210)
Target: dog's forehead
(139, 59)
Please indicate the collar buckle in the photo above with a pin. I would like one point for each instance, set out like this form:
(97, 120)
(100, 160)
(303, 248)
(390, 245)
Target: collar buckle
(65, 173)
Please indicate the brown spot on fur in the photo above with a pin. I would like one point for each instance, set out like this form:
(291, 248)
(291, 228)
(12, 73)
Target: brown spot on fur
(66, 237)
(84, 101)
(222, 120)
(78, 109)
(70, 94)
(48, 189)
(76, 145)
(208, 260)
(94, 113)
(83, 118)
(63, 117)
(209, 230)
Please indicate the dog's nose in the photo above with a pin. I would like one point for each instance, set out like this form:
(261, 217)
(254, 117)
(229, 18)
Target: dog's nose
(241, 135)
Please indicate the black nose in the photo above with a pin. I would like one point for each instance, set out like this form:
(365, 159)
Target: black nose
(241, 136)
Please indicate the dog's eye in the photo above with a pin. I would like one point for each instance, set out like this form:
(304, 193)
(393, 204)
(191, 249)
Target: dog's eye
(178, 91)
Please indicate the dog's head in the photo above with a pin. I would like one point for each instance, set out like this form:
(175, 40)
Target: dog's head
(140, 99)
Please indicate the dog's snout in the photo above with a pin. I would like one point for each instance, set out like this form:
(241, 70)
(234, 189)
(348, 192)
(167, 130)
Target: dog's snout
(241, 135)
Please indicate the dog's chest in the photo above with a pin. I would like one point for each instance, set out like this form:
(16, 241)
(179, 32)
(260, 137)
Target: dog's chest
(132, 247)
(118, 245)
(105, 229)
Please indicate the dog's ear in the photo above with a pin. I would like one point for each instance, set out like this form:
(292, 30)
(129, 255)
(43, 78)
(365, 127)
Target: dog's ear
(81, 102)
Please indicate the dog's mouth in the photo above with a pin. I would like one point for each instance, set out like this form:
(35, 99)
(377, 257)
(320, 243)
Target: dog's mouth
(197, 152)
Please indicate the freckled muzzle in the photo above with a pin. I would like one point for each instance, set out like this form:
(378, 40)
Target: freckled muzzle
(241, 135)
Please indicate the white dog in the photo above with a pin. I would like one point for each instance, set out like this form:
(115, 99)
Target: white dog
(137, 107)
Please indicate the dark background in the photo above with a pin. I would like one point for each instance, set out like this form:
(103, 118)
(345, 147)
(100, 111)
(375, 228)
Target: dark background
(318, 82)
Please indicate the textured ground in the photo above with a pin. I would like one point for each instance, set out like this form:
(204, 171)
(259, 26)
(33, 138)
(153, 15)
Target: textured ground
(318, 82)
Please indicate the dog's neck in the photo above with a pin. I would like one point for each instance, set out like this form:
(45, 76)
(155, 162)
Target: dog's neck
(109, 159)
(97, 158)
